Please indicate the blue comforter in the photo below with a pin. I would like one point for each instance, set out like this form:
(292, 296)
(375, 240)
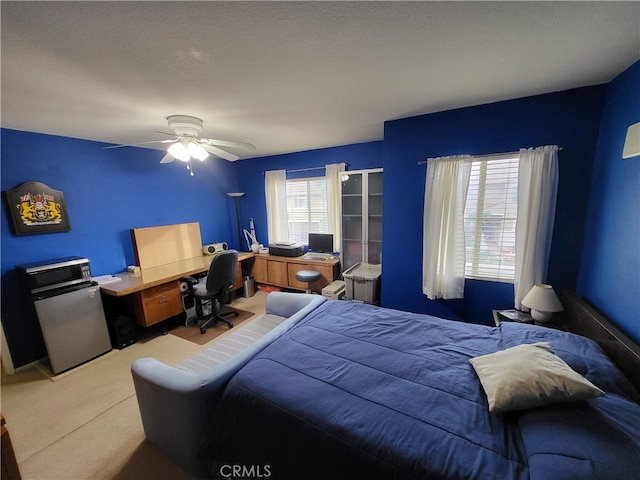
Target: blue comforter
(356, 391)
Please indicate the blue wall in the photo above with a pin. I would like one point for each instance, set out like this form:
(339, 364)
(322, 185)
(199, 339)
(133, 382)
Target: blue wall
(107, 192)
(610, 268)
(569, 119)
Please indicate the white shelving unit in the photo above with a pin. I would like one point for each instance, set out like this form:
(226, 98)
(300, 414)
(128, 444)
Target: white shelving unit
(362, 217)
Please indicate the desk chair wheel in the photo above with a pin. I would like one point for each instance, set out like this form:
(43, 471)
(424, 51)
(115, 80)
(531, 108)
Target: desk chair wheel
(203, 328)
(190, 322)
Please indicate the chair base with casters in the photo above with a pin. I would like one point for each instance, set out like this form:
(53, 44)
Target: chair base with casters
(211, 317)
(217, 317)
(308, 276)
(214, 290)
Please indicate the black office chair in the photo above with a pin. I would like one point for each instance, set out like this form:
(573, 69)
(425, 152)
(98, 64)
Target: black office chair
(215, 288)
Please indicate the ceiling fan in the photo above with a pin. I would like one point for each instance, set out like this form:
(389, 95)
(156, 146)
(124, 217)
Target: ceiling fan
(187, 145)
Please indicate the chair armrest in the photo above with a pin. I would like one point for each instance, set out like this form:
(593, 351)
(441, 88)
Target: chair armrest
(191, 282)
(286, 304)
(164, 376)
(175, 407)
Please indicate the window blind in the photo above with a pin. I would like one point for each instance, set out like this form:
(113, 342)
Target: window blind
(306, 208)
(490, 218)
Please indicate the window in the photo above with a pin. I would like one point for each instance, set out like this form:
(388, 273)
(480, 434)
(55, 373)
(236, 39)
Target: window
(306, 208)
(490, 218)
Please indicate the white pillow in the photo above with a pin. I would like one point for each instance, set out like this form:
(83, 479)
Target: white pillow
(529, 375)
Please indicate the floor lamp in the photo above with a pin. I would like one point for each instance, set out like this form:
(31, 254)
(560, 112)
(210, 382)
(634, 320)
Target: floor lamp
(236, 196)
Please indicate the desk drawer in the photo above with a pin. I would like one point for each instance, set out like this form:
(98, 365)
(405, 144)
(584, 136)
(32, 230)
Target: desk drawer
(158, 303)
(277, 272)
(326, 277)
(159, 290)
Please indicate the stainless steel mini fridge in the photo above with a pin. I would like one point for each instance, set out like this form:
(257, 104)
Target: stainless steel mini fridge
(73, 325)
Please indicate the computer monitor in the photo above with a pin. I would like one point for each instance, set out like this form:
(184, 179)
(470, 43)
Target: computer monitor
(321, 242)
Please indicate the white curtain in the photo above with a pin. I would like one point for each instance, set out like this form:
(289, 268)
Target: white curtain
(537, 190)
(275, 191)
(333, 177)
(443, 245)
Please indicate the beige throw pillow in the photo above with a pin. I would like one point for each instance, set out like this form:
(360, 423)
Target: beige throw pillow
(529, 375)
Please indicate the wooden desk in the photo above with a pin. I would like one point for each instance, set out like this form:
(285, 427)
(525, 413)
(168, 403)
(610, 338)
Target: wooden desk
(155, 292)
(281, 271)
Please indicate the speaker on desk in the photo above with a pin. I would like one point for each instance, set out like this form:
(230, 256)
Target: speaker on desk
(123, 332)
(213, 248)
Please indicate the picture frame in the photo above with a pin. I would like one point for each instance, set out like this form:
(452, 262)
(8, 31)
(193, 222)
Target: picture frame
(35, 208)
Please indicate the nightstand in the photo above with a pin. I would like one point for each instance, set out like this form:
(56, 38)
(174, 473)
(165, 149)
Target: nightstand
(555, 322)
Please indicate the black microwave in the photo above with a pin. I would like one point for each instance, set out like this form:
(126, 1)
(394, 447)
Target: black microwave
(56, 273)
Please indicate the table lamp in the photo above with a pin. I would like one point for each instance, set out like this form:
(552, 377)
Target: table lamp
(542, 301)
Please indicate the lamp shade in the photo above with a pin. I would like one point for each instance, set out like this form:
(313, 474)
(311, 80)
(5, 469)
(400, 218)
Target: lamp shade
(632, 142)
(542, 301)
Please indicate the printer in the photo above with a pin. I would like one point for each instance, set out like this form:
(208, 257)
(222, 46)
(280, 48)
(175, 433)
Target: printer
(286, 249)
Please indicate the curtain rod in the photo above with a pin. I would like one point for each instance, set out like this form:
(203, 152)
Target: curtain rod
(305, 169)
(309, 169)
(486, 155)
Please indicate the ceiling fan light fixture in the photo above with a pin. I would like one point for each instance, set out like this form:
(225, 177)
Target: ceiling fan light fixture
(179, 151)
(187, 145)
(196, 151)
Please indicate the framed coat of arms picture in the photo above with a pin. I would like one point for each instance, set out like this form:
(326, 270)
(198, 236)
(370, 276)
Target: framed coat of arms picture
(37, 208)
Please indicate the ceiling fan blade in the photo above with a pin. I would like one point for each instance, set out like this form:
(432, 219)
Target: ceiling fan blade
(219, 152)
(168, 158)
(228, 143)
(138, 144)
(166, 133)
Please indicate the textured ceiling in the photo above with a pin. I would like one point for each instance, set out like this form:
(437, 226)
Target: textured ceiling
(292, 76)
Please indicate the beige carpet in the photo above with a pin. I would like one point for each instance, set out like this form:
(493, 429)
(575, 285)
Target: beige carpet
(86, 424)
(193, 333)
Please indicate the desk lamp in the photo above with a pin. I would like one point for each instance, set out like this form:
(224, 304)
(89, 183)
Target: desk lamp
(236, 196)
(542, 301)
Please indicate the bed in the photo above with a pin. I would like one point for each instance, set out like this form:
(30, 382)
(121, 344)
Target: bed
(357, 391)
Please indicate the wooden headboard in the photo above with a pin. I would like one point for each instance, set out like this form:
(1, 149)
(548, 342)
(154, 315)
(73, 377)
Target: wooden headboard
(582, 318)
